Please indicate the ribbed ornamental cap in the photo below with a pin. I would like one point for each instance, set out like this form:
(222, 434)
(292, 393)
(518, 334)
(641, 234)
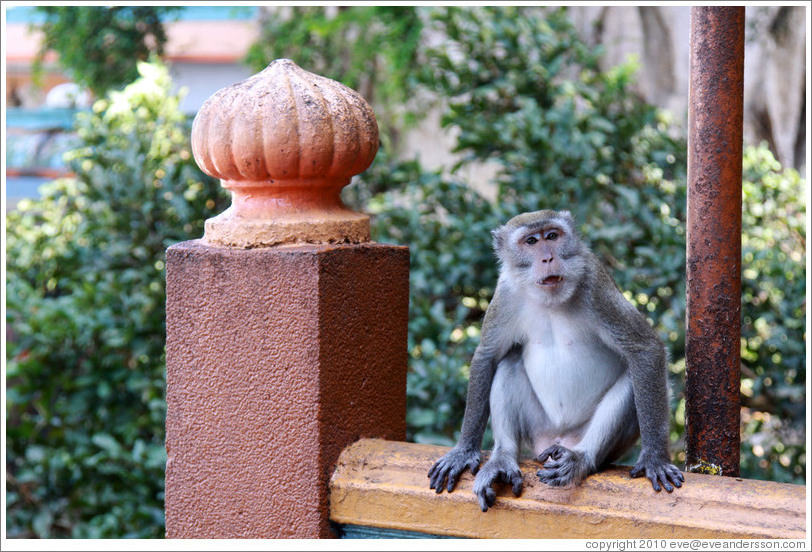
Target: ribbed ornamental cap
(284, 142)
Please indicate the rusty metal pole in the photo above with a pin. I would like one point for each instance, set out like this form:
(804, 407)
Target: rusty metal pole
(713, 330)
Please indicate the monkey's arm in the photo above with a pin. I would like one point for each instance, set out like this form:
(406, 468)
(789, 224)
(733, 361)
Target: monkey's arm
(627, 331)
(467, 453)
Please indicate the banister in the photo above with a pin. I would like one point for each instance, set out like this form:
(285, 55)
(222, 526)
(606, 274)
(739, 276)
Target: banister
(383, 484)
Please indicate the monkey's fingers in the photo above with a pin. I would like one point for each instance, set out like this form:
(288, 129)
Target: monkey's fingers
(639, 470)
(440, 482)
(671, 474)
(447, 470)
(658, 479)
(675, 475)
(444, 479)
(661, 477)
(437, 476)
(452, 480)
(433, 475)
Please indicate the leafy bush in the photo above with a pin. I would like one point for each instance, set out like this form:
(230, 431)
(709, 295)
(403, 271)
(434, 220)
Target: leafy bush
(372, 49)
(100, 46)
(524, 92)
(85, 287)
(773, 320)
(85, 309)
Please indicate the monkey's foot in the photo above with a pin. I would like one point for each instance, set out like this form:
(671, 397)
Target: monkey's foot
(500, 468)
(562, 466)
(659, 472)
(451, 465)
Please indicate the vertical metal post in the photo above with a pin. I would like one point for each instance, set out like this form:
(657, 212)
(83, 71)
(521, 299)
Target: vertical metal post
(714, 239)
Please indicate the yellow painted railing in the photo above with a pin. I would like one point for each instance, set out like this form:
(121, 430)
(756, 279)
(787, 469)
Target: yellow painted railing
(383, 484)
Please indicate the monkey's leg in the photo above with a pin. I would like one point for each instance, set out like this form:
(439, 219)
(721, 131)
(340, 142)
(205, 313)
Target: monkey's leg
(514, 407)
(611, 430)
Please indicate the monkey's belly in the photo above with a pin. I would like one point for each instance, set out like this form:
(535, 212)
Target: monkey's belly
(569, 376)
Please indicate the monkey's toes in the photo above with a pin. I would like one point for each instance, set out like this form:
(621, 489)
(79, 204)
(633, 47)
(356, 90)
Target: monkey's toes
(487, 498)
(517, 481)
(554, 478)
(556, 452)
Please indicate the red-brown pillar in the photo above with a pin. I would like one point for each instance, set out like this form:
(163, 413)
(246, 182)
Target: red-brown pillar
(714, 240)
(286, 326)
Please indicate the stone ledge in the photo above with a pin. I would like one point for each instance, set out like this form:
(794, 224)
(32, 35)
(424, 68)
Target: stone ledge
(384, 484)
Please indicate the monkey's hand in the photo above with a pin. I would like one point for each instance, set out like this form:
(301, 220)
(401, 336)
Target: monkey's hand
(448, 468)
(659, 470)
(562, 466)
(501, 467)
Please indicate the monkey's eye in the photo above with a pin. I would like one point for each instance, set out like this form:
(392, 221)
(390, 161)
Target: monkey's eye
(552, 235)
(530, 240)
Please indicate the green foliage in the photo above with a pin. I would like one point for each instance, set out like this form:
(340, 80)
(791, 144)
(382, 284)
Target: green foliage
(525, 93)
(773, 319)
(528, 95)
(99, 47)
(446, 225)
(85, 309)
(85, 288)
(371, 49)
(568, 136)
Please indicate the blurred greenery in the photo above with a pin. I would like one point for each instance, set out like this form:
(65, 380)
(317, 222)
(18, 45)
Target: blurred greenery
(371, 49)
(99, 47)
(85, 311)
(773, 319)
(528, 95)
(85, 286)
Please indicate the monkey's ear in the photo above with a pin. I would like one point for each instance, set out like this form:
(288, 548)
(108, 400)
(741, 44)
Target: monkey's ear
(498, 239)
(567, 215)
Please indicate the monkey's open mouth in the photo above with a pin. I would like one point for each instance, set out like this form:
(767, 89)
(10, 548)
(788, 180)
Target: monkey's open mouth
(551, 280)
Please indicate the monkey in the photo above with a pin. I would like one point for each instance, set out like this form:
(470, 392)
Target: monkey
(566, 366)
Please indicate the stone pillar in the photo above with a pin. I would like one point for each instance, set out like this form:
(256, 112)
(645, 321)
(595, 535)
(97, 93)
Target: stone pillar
(286, 326)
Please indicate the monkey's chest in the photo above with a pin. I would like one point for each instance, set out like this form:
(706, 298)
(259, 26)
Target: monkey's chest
(570, 372)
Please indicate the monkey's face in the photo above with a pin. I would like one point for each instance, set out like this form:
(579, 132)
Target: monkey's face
(542, 256)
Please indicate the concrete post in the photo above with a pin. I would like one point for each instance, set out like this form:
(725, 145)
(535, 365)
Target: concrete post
(286, 326)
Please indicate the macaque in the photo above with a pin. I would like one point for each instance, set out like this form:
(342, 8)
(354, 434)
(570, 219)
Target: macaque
(566, 367)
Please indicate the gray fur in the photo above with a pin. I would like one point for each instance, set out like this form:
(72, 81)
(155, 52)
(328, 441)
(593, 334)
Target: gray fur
(570, 369)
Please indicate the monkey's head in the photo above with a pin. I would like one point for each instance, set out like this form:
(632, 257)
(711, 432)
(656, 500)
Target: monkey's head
(542, 254)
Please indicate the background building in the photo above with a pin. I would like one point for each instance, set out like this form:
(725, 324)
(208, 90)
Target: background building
(204, 49)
